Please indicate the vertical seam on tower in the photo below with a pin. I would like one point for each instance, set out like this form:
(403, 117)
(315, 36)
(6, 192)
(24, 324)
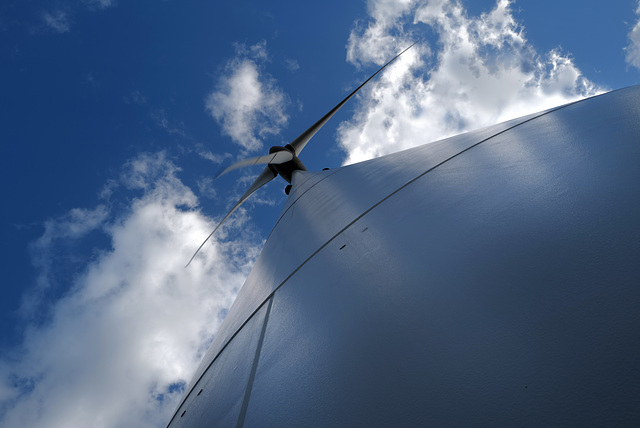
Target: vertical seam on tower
(254, 368)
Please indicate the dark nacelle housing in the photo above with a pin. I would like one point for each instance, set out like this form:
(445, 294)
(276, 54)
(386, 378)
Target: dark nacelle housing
(285, 170)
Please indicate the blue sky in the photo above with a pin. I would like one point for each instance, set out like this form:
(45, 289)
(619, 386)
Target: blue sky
(115, 115)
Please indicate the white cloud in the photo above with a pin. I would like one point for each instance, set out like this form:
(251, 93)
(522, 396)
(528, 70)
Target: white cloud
(246, 103)
(57, 21)
(481, 71)
(118, 347)
(379, 41)
(633, 49)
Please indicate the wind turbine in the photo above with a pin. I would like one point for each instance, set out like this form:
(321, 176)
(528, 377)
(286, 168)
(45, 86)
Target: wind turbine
(488, 279)
(284, 160)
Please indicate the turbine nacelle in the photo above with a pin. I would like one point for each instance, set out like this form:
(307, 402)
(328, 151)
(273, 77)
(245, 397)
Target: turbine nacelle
(286, 169)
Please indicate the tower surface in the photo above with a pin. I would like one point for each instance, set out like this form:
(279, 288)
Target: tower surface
(488, 279)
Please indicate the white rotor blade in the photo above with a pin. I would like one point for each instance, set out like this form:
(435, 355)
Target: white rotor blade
(273, 158)
(302, 140)
(266, 176)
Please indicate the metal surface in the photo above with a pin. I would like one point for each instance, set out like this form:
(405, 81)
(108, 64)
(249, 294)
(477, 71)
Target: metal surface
(490, 279)
(218, 398)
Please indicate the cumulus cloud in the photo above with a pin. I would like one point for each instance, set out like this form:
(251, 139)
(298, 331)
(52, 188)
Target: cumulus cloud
(633, 49)
(480, 70)
(378, 40)
(246, 102)
(121, 343)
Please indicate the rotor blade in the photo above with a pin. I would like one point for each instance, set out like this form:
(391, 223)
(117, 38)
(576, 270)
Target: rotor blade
(266, 176)
(273, 158)
(302, 140)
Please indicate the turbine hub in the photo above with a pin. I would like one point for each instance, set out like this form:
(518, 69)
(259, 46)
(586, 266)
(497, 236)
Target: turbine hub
(285, 170)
